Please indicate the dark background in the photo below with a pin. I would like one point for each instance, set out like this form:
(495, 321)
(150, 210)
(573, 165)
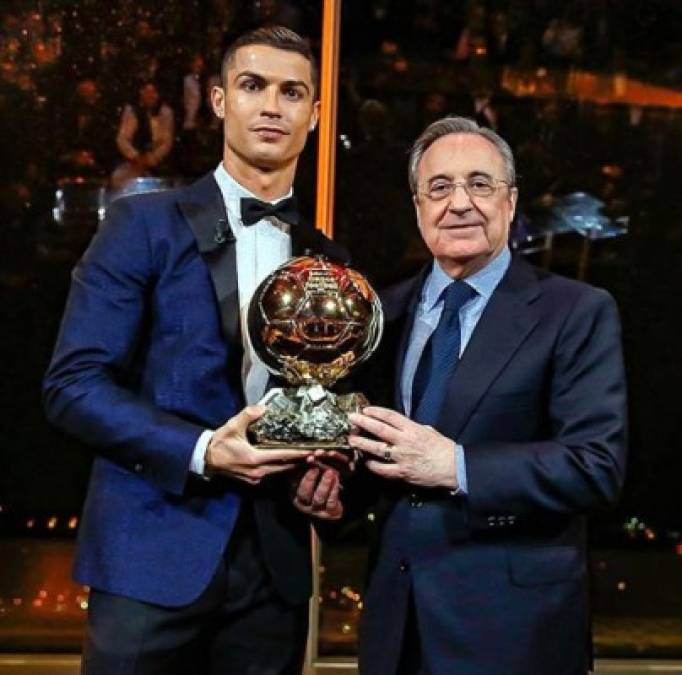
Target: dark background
(403, 64)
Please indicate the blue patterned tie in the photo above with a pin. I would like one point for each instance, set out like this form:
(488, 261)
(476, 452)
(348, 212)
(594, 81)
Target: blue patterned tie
(440, 356)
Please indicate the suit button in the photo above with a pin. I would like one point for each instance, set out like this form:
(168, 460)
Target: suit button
(404, 566)
(138, 468)
(414, 500)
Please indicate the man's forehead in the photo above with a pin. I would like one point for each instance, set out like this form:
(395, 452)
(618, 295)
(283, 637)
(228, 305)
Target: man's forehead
(462, 154)
(270, 63)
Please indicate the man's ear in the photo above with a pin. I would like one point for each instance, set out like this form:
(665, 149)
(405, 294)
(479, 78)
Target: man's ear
(218, 101)
(315, 116)
(415, 201)
(513, 198)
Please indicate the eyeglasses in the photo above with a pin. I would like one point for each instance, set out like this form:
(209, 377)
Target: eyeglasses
(477, 186)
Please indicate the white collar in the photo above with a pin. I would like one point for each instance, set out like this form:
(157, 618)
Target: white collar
(233, 192)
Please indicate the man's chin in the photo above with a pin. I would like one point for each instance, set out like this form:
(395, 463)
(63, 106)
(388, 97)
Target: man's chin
(268, 161)
(464, 262)
(271, 155)
(466, 253)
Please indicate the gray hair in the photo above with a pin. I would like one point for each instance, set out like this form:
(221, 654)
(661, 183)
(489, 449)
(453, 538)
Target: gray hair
(458, 125)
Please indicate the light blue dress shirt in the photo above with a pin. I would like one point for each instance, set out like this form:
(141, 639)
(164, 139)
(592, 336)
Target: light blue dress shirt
(426, 318)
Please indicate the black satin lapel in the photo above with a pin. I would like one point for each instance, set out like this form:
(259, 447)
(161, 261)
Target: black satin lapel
(505, 324)
(222, 265)
(204, 209)
(303, 240)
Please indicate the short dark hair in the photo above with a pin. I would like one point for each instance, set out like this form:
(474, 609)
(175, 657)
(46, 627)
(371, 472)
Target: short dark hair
(277, 37)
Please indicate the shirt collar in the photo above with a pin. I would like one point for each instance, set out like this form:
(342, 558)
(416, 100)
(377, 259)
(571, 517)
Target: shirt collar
(484, 282)
(233, 192)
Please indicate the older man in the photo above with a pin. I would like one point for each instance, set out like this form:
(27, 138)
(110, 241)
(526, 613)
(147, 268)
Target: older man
(510, 427)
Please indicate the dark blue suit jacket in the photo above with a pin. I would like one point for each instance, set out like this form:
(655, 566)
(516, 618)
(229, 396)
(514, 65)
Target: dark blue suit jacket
(538, 401)
(148, 356)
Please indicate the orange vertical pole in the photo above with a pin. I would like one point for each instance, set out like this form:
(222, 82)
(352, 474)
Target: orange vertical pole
(329, 85)
(324, 221)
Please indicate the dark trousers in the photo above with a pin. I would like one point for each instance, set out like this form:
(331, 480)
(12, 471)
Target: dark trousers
(411, 656)
(237, 626)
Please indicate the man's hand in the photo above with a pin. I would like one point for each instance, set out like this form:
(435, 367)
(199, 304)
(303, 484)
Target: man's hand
(343, 462)
(318, 494)
(411, 452)
(230, 453)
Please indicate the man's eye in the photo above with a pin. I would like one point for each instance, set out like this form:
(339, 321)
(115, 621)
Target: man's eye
(293, 93)
(440, 188)
(480, 184)
(250, 85)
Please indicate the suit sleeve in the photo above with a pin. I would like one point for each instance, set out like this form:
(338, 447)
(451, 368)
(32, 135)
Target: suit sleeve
(581, 467)
(89, 389)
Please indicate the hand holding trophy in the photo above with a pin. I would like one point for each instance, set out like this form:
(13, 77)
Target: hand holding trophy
(311, 321)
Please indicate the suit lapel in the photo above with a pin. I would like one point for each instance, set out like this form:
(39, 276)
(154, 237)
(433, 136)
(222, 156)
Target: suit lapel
(409, 301)
(506, 322)
(399, 303)
(204, 209)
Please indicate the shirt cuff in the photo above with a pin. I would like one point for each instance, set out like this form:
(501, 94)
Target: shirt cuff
(461, 465)
(198, 462)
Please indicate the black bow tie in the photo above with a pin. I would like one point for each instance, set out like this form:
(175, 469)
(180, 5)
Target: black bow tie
(254, 210)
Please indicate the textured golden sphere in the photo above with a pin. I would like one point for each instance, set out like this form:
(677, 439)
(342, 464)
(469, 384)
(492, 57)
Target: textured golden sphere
(312, 320)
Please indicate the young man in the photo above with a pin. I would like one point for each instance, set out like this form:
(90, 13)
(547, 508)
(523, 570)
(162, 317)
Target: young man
(197, 559)
(508, 427)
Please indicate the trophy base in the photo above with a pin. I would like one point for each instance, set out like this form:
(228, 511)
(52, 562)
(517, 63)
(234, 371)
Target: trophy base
(303, 445)
(306, 418)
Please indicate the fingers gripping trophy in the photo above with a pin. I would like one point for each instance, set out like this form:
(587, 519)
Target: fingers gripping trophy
(311, 321)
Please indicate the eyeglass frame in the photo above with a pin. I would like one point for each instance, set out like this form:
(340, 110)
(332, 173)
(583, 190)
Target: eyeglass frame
(463, 184)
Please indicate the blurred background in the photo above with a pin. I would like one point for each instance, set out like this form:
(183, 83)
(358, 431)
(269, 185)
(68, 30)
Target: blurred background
(589, 94)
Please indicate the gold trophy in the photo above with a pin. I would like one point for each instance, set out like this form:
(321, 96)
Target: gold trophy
(311, 321)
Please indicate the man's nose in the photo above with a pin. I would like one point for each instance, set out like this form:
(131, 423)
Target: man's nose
(459, 200)
(271, 103)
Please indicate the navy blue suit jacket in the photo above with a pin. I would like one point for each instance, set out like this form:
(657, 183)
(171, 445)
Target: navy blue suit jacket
(538, 401)
(148, 356)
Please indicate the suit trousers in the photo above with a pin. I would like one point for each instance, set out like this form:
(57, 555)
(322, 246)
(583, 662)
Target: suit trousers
(411, 655)
(237, 626)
